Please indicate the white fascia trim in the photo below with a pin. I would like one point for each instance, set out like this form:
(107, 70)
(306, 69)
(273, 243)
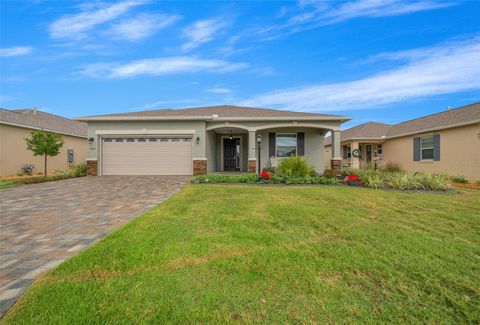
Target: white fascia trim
(434, 129)
(145, 132)
(143, 118)
(252, 158)
(42, 129)
(200, 159)
(283, 118)
(91, 159)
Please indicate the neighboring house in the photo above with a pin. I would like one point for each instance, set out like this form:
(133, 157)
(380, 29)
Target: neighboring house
(206, 139)
(445, 142)
(16, 125)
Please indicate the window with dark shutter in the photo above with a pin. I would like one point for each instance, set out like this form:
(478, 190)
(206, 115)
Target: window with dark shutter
(301, 143)
(416, 149)
(436, 147)
(286, 144)
(271, 144)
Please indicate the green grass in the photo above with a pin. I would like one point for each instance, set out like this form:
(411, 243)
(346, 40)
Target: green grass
(4, 184)
(248, 254)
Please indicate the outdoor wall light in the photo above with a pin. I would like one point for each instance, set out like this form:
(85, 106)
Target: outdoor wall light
(90, 140)
(197, 140)
(259, 138)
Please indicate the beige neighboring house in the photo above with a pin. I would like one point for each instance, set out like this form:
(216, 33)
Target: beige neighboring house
(206, 140)
(16, 125)
(446, 142)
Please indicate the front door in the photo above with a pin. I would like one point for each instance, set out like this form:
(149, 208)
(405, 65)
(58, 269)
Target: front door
(231, 154)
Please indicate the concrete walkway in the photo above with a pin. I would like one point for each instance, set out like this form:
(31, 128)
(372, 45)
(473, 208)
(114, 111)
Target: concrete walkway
(43, 224)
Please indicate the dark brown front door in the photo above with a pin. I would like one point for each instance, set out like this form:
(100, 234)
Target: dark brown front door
(368, 149)
(231, 154)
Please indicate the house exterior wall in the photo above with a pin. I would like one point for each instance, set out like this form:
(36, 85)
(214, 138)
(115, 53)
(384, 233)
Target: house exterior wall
(198, 127)
(14, 154)
(211, 151)
(459, 152)
(314, 147)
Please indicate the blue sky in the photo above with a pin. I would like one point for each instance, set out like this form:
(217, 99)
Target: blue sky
(381, 60)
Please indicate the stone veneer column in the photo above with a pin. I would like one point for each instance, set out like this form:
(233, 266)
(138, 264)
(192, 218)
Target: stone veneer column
(91, 167)
(199, 167)
(336, 161)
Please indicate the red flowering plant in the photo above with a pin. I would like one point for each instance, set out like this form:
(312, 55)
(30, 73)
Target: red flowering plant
(352, 180)
(265, 175)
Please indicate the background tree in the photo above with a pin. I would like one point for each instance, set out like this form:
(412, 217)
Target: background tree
(45, 144)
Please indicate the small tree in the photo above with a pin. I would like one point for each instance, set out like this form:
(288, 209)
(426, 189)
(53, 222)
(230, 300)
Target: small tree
(45, 144)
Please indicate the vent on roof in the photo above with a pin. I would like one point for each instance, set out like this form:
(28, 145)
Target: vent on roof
(215, 115)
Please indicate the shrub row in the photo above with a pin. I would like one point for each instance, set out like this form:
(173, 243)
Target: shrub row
(400, 180)
(75, 171)
(254, 178)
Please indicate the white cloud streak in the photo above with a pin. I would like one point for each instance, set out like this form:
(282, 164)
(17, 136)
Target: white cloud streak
(15, 51)
(201, 32)
(141, 26)
(315, 14)
(160, 66)
(445, 69)
(76, 26)
(219, 90)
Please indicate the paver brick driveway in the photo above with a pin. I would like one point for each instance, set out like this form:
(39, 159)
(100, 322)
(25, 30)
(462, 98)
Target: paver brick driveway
(43, 224)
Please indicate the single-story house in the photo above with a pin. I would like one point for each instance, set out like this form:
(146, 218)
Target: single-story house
(446, 142)
(203, 140)
(16, 125)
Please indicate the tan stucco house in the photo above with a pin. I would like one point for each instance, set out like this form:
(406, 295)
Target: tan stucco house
(16, 125)
(207, 139)
(446, 142)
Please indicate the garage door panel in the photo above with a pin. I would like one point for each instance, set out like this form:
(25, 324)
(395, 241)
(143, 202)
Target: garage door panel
(147, 158)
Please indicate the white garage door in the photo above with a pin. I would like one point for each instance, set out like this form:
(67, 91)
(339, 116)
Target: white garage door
(147, 156)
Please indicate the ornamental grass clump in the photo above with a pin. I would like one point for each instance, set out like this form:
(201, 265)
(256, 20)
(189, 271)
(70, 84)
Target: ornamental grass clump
(295, 167)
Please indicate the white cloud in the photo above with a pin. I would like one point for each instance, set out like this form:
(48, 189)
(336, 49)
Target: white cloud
(15, 51)
(160, 66)
(202, 31)
(219, 90)
(314, 14)
(141, 26)
(445, 69)
(76, 26)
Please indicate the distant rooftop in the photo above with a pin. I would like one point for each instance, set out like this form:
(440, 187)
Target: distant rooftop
(36, 119)
(221, 111)
(450, 118)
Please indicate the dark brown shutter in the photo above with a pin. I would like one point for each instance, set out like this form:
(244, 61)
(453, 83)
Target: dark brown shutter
(345, 152)
(416, 149)
(436, 147)
(271, 144)
(301, 143)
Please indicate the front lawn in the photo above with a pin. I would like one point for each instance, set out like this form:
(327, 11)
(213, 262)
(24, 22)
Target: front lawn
(230, 254)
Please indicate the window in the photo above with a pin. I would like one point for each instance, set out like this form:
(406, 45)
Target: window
(379, 150)
(107, 140)
(141, 140)
(426, 148)
(118, 140)
(347, 152)
(286, 144)
(152, 140)
(130, 140)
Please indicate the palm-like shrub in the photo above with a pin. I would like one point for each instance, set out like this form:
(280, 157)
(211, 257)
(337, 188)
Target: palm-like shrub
(295, 167)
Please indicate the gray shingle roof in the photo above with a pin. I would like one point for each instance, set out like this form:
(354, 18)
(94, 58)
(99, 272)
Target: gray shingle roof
(459, 116)
(36, 119)
(370, 130)
(221, 110)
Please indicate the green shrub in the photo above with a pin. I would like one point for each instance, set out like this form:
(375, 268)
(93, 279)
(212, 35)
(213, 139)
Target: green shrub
(460, 179)
(373, 180)
(219, 178)
(433, 182)
(347, 171)
(329, 173)
(404, 181)
(295, 167)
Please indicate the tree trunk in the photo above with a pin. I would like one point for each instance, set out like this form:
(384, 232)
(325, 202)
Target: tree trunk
(45, 173)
